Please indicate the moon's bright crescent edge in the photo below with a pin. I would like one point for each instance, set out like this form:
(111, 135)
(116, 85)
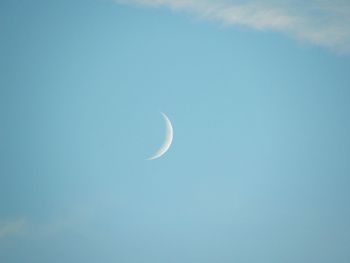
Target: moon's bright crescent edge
(168, 139)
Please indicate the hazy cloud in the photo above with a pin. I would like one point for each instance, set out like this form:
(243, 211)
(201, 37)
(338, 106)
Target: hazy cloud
(321, 22)
(11, 228)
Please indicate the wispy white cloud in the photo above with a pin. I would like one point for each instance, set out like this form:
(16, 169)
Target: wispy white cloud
(321, 22)
(11, 228)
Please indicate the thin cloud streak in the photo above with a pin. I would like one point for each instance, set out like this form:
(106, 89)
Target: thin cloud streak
(320, 22)
(11, 228)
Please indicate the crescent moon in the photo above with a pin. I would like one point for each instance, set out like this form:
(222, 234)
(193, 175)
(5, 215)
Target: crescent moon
(168, 139)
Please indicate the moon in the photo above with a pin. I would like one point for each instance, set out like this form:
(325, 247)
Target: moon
(167, 141)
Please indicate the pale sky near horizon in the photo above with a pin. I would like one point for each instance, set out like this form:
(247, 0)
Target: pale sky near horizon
(258, 95)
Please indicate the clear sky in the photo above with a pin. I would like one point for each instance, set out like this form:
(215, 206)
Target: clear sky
(259, 97)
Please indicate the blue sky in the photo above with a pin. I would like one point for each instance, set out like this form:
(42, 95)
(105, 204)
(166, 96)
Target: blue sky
(259, 166)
